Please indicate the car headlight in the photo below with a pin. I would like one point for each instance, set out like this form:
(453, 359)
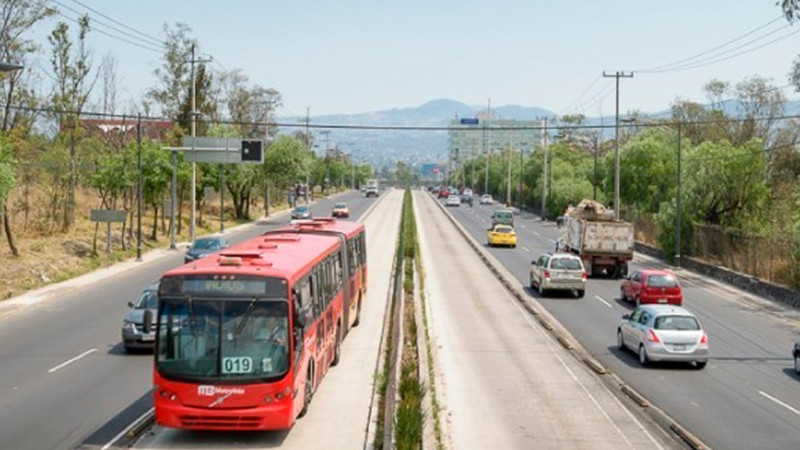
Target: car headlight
(129, 327)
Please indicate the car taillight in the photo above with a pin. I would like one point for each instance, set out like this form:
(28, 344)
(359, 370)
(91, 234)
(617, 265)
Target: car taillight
(584, 276)
(704, 339)
(546, 274)
(652, 336)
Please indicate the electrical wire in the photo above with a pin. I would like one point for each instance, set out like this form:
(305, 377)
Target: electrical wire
(580, 97)
(142, 46)
(723, 45)
(154, 40)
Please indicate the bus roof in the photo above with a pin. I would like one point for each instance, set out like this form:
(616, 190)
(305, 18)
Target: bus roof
(350, 229)
(285, 255)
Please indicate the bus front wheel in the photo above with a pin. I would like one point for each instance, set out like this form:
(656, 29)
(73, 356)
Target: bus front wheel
(337, 347)
(309, 391)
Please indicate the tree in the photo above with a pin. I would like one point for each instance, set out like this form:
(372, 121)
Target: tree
(7, 180)
(71, 69)
(287, 161)
(174, 75)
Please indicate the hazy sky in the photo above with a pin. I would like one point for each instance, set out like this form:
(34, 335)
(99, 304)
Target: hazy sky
(348, 56)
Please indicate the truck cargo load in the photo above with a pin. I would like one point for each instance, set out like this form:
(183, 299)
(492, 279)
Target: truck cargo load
(604, 244)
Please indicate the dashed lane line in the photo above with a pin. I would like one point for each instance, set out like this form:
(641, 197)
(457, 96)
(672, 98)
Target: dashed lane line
(789, 407)
(70, 361)
(603, 301)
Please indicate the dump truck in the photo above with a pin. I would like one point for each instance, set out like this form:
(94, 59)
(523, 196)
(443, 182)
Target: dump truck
(604, 244)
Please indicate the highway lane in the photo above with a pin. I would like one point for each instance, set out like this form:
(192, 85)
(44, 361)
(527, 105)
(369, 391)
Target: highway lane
(504, 382)
(63, 372)
(340, 411)
(747, 396)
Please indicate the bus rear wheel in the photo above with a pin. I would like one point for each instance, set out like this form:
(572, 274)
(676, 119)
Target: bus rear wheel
(358, 313)
(337, 347)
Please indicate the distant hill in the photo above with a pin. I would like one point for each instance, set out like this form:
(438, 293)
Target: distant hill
(385, 147)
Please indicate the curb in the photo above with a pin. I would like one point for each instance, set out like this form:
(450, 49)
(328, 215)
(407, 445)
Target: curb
(616, 385)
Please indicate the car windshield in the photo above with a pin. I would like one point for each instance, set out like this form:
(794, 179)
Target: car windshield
(208, 340)
(676, 323)
(565, 264)
(148, 300)
(503, 229)
(340, 205)
(301, 209)
(206, 244)
(502, 215)
(662, 281)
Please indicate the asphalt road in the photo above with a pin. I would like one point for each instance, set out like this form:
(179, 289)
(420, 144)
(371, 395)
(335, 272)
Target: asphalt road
(65, 381)
(503, 381)
(747, 397)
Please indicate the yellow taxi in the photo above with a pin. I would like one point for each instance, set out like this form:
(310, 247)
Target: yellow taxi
(502, 235)
(340, 210)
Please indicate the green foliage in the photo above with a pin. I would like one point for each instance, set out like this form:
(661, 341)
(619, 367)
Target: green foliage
(7, 173)
(648, 169)
(287, 161)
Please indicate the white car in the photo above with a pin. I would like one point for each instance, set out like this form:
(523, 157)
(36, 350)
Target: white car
(453, 200)
(486, 200)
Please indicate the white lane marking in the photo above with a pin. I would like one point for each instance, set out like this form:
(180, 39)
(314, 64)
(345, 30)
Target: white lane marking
(128, 428)
(60, 366)
(789, 407)
(526, 248)
(602, 300)
(536, 233)
(523, 226)
(552, 240)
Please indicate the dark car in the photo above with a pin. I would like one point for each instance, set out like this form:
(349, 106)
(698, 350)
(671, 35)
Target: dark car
(205, 246)
(301, 212)
(796, 356)
(134, 335)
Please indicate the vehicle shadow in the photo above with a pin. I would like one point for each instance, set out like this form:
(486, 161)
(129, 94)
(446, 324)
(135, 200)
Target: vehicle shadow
(630, 359)
(567, 295)
(789, 371)
(227, 439)
(118, 349)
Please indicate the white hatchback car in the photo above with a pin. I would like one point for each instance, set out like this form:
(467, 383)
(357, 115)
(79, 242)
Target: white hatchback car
(453, 200)
(558, 271)
(664, 333)
(486, 199)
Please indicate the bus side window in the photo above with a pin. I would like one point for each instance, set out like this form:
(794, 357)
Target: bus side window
(362, 241)
(337, 270)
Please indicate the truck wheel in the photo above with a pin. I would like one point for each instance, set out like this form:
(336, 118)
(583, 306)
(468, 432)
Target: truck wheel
(617, 274)
(589, 269)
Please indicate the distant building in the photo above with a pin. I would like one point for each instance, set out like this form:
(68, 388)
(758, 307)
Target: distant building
(433, 172)
(151, 129)
(469, 140)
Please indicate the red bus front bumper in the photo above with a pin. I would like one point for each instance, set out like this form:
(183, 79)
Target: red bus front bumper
(276, 416)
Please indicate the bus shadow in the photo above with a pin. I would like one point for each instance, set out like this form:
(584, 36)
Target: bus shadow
(224, 439)
(111, 429)
(118, 349)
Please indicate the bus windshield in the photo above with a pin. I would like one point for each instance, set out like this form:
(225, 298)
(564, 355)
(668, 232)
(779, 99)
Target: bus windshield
(223, 340)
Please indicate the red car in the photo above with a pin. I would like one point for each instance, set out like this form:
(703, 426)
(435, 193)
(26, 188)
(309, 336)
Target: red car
(444, 193)
(652, 286)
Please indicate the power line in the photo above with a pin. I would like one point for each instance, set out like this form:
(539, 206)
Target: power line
(93, 20)
(725, 44)
(142, 46)
(145, 35)
(586, 91)
(714, 61)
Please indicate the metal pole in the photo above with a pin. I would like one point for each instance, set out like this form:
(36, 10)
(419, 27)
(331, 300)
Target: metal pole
(194, 156)
(486, 144)
(678, 205)
(508, 176)
(108, 244)
(544, 170)
(174, 195)
(221, 198)
(139, 196)
(617, 205)
(594, 183)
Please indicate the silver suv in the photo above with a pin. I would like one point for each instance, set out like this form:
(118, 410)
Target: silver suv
(558, 271)
(664, 333)
(134, 334)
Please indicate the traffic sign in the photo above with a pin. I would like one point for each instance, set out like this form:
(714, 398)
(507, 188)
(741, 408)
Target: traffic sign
(469, 121)
(223, 150)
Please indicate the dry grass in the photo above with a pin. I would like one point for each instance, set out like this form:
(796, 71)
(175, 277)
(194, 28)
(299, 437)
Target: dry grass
(49, 256)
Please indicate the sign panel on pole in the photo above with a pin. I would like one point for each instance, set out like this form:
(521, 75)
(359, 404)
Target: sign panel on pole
(107, 215)
(469, 121)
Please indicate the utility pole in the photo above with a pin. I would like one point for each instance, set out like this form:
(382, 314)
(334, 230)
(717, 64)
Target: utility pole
(308, 147)
(266, 144)
(508, 175)
(139, 188)
(174, 195)
(617, 75)
(486, 147)
(193, 113)
(544, 170)
(594, 180)
(678, 206)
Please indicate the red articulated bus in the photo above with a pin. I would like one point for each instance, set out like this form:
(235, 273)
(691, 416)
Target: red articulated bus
(244, 337)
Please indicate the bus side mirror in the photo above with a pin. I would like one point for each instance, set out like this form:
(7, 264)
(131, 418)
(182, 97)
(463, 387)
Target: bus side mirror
(148, 321)
(626, 317)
